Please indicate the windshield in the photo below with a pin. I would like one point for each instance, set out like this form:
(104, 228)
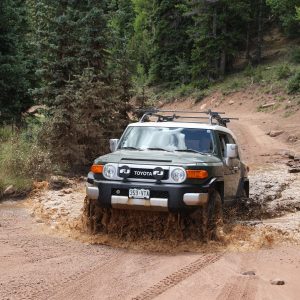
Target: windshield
(167, 139)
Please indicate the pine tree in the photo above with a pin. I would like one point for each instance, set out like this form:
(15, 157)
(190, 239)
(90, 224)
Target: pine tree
(170, 40)
(218, 33)
(142, 42)
(286, 12)
(77, 83)
(121, 16)
(14, 62)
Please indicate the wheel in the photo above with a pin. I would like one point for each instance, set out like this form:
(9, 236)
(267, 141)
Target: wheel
(213, 217)
(92, 216)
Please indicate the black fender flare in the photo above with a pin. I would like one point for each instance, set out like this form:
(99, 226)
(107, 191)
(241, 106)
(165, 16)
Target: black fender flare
(243, 185)
(216, 183)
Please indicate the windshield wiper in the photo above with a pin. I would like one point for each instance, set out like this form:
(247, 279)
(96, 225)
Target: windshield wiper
(159, 149)
(191, 150)
(131, 148)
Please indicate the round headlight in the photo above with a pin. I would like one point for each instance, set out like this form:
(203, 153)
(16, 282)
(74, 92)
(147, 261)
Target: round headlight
(178, 175)
(109, 171)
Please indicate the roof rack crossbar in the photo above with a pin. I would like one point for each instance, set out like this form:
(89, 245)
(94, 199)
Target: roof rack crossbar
(212, 116)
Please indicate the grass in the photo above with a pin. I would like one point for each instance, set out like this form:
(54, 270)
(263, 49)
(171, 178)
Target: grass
(22, 160)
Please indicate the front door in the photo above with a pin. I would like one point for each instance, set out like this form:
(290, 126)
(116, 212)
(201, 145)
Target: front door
(232, 173)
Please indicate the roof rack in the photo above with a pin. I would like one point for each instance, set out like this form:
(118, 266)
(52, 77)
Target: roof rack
(180, 114)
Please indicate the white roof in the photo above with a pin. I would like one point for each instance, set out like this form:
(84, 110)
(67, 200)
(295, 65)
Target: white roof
(183, 125)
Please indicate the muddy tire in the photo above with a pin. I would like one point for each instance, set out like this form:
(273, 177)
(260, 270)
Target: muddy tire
(93, 215)
(213, 217)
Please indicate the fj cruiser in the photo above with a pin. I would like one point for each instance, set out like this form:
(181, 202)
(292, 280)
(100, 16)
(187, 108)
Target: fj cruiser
(172, 161)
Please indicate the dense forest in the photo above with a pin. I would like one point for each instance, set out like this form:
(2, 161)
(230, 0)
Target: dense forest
(84, 60)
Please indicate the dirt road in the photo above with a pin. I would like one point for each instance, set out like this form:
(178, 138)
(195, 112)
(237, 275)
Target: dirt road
(37, 262)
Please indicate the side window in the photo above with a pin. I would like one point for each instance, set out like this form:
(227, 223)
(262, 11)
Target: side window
(223, 141)
(230, 139)
(225, 138)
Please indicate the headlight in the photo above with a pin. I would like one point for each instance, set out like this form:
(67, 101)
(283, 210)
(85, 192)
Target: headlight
(178, 175)
(109, 171)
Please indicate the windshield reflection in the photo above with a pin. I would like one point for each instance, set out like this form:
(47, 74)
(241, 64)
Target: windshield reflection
(167, 139)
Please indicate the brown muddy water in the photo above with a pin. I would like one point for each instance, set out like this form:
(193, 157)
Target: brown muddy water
(274, 193)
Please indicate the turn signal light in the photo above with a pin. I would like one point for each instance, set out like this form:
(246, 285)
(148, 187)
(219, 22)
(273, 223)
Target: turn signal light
(196, 174)
(97, 169)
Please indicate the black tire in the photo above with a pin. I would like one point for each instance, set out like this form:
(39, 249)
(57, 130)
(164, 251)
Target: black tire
(213, 217)
(92, 216)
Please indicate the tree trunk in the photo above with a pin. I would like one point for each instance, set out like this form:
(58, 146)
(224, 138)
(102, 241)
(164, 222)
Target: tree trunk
(259, 32)
(223, 55)
(215, 37)
(248, 42)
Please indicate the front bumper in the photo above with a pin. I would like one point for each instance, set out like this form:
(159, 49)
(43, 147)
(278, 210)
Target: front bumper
(163, 197)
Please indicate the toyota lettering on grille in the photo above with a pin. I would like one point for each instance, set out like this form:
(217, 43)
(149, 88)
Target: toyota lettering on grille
(157, 173)
(143, 173)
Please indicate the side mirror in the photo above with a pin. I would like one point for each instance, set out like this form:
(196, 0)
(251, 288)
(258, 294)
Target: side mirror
(231, 151)
(113, 144)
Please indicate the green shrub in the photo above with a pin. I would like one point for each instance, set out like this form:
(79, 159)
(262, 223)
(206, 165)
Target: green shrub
(295, 55)
(184, 90)
(199, 96)
(283, 72)
(294, 84)
(22, 161)
(5, 133)
(258, 75)
(255, 74)
(249, 71)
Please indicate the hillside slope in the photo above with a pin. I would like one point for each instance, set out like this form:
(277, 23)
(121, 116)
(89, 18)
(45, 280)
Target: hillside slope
(254, 122)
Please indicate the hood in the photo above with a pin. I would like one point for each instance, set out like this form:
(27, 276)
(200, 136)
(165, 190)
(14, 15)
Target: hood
(158, 158)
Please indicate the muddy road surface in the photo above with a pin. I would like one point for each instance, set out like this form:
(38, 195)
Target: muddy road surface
(45, 255)
(37, 263)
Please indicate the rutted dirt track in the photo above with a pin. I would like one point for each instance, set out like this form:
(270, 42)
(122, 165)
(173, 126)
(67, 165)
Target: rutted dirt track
(39, 262)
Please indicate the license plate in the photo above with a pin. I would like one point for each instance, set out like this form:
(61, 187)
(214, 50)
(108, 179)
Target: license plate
(139, 193)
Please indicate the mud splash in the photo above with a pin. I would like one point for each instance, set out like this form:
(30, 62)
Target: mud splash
(237, 237)
(273, 193)
(140, 232)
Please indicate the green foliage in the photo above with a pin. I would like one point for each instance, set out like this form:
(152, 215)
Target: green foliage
(5, 133)
(294, 84)
(120, 25)
(140, 83)
(283, 71)
(14, 62)
(199, 96)
(90, 114)
(85, 59)
(298, 13)
(255, 73)
(22, 159)
(232, 85)
(295, 55)
(171, 43)
(288, 14)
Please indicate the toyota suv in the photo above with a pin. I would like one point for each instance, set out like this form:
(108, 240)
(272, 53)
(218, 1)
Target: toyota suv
(170, 161)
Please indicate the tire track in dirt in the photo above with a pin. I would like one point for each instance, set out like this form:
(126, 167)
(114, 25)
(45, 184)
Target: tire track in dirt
(46, 291)
(178, 276)
(241, 288)
(80, 278)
